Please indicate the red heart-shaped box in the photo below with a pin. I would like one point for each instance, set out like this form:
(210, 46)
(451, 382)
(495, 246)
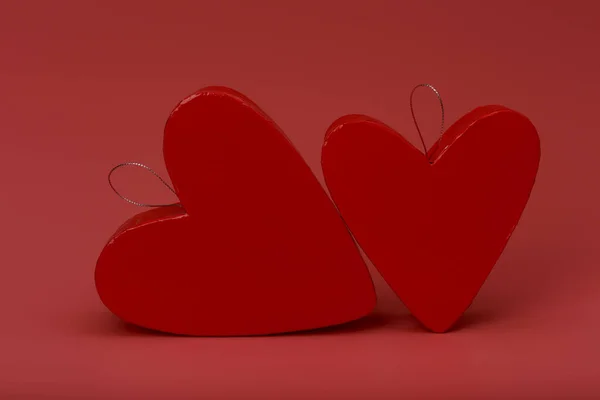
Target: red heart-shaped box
(434, 229)
(257, 248)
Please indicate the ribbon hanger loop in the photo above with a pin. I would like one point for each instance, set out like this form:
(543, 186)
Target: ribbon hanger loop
(427, 85)
(136, 164)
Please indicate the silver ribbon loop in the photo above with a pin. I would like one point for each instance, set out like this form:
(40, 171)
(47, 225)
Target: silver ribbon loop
(135, 164)
(427, 85)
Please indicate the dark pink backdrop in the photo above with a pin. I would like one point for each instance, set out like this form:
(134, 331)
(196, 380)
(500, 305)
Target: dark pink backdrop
(86, 84)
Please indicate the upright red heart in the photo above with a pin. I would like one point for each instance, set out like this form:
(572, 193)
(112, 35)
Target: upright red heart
(434, 230)
(257, 248)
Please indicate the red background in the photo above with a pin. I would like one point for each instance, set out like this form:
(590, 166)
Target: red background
(85, 85)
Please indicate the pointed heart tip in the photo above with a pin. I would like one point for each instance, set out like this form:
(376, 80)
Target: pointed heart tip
(439, 328)
(443, 328)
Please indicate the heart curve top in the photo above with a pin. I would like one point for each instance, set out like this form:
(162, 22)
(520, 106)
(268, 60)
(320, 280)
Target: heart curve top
(257, 248)
(433, 230)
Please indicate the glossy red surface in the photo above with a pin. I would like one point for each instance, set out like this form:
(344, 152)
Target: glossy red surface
(258, 247)
(434, 230)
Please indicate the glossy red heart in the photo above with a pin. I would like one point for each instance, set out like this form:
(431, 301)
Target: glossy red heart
(257, 248)
(434, 230)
